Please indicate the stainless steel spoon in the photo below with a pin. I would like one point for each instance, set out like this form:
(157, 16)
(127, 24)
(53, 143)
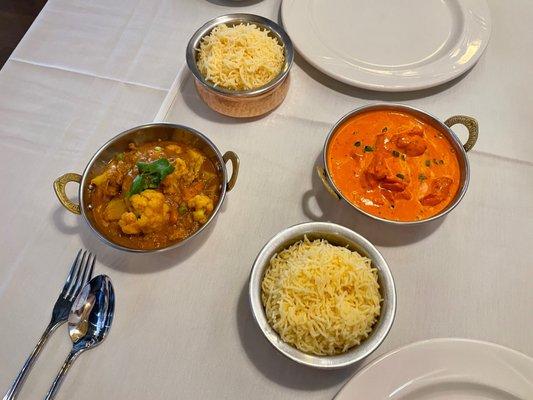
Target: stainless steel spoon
(89, 322)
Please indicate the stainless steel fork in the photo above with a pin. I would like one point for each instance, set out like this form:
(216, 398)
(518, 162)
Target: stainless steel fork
(80, 273)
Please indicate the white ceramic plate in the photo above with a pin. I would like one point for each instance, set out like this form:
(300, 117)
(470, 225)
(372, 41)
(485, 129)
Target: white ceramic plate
(444, 369)
(389, 45)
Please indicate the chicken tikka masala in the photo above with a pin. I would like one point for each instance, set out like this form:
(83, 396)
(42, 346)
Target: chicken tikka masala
(393, 165)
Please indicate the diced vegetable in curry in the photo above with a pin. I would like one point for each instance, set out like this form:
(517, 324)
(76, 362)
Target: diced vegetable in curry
(154, 194)
(393, 165)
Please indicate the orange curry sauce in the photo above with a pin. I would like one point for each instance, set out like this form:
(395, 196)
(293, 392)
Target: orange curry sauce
(393, 165)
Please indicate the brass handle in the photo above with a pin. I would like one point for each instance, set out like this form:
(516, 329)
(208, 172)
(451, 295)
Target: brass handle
(322, 175)
(59, 187)
(472, 126)
(231, 156)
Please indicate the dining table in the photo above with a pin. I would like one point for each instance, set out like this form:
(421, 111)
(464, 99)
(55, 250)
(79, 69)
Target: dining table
(88, 70)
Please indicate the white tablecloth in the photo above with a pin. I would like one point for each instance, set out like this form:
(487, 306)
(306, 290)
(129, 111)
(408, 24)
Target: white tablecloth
(87, 70)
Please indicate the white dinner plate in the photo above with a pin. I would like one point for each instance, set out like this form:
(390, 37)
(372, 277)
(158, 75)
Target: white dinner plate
(444, 369)
(389, 45)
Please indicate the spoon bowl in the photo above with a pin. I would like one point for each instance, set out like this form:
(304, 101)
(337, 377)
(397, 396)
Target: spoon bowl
(89, 322)
(91, 314)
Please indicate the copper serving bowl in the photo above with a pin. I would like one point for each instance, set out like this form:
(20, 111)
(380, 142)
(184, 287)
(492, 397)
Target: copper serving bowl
(242, 103)
(138, 135)
(444, 127)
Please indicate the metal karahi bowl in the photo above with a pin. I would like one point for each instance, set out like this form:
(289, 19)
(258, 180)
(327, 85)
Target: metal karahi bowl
(242, 103)
(445, 127)
(138, 135)
(336, 235)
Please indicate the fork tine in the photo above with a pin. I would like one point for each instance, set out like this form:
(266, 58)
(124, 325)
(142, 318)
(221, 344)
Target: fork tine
(72, 273)
(76, 282)
(88, 270)
(90, 274)
(86, 273)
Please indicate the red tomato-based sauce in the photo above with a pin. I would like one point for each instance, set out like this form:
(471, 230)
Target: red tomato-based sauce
(392, 165)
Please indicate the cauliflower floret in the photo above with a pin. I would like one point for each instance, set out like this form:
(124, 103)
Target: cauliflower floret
(171, 182)
(197, 159)
(150, 214)
(180, 167)
(128, 223)
(202, 205)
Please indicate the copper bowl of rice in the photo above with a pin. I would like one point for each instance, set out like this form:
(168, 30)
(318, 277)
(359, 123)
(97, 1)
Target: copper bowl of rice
(230, 91)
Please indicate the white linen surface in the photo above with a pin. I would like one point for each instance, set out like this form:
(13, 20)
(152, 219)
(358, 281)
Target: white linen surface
(89, 69)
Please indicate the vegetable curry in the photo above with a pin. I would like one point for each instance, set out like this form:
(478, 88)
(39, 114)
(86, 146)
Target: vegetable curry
(154, 194)
(393, 165)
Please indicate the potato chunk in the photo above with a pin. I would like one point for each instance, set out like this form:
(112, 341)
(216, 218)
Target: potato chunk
(114, 209)
(173, 148)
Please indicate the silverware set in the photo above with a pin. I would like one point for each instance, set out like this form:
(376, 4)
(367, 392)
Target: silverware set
(88, 305)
